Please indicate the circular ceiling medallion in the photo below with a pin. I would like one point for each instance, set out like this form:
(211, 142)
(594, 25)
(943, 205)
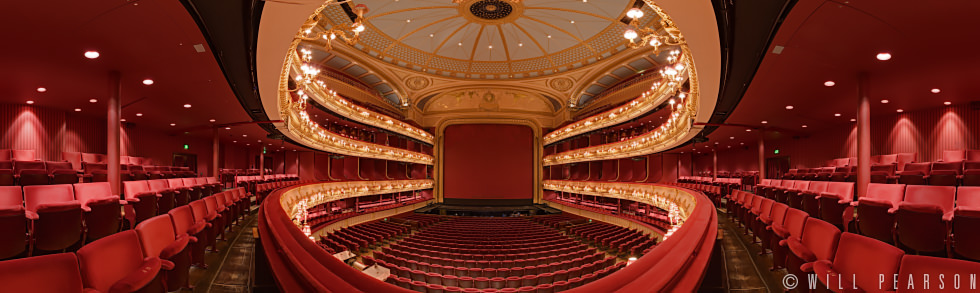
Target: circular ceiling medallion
(560, 84)
(417, 82)
(491, 9)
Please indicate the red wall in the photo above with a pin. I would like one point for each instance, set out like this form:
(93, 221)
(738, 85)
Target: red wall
(927, 132)
(488, 161)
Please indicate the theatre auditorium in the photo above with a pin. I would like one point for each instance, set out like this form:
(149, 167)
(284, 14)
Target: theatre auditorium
(497, 146)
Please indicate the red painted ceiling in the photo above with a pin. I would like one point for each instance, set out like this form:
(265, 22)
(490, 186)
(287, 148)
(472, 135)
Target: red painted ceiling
(44, 46)
(933, 46)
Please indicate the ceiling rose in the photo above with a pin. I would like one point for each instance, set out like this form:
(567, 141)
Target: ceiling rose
(490, 39)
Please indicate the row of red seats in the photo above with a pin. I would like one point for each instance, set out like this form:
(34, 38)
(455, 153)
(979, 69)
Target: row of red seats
(501, 269)
(654, 217)
(559, 221)
(511, 242)
(622, 240)
(343, 239)
(18, 155)
(544, 246)
(803, 244)
(154, 257)
(439, 253)
(486, 285)
(547, 274)
(489, 245)
(315, 222)
(471, 263)
(36, 173)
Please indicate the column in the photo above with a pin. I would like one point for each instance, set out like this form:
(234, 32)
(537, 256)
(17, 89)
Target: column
(714, 164)
(762, 155)
(261, 161)
(863, 136)
(112, 127)
(215, 153)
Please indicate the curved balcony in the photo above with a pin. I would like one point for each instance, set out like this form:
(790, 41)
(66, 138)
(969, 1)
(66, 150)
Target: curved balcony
(679, 262)
(302, 129)
(333, 102)
(300, 265)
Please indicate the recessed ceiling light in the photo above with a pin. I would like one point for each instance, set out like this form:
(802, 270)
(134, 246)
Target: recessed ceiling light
(899, 110)
(30, 102)
(571, 21)
(490, 47)
(248, 144)
(852, 120)
(41, 89)
(741, 143)
(212, 120)
(244, 135)
(790, 107)
(459, 44)
(836, 114)
(829, 83)
(187, 105)
(139, 114)
(748, 130)
(883, 56)
(947, 103)
(122, 120)
(549, 36)
(173, 124)
(91, 54)
(227, 128)
(935, 91)
(731, 137)
(884, 101)
(408, 20)
(93, 101)
(148, 81)
(765, 122)
(235, 141)
(432, 35)
(804, 125)
(520, 44)
(78, 109)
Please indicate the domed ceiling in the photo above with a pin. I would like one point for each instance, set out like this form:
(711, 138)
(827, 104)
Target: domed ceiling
(490, 39)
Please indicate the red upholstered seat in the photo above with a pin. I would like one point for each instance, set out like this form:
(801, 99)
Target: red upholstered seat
(141, 202)
(6, 173)
(203, 210)
(116, 263)
(185, 223)
(917, 267)
(56, 216)
(101, 209)
(833, 204)
(971, 173)
(945, 173)
(922, 217)
(172, 187)
(858, 263)
(791, 227)
(876, 211)
(915, 173)
(56, 273)
(954, 155)
(22, 155)
(158, 239)
(31, 172)
(13, 222)
(61, 172)
(777, 215)
(882, 173)
(964, 239)
(819, 242)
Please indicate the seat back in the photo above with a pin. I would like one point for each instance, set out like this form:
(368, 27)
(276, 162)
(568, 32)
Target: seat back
(919, 168)
(182, 218)
(821, 238)
(954, 155)
(866, 259)
(89, 192)
(156, 234)
(902, 159)
(132, 188)
(778, 213)
(972, 155)
(888, 159)
(200, 209)
(968, 197)
(22, 155)
(817, 187)
(794, 222)
(843, 190)
(110, 259)
(5, 155)
(942, 196)
(917, 266)
(54, 165)
(11, 196)
(37, 195)
(55, 273)
(28, 165)
(801, 185)
(176, 183)
(956, 166)
(893, 193)
(158, 185)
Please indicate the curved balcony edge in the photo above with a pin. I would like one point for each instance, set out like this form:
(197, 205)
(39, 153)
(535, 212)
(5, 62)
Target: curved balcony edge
(300, 265)
(677, 264)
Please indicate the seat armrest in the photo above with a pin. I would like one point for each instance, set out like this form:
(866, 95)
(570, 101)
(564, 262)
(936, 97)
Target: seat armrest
(825, 271)
(30, 215)
(175, 247)
(780, 231)
(200, 225)
(800, 250)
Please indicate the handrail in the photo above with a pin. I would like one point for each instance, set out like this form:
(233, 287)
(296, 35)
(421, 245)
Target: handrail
(678, 263)
(300, 265)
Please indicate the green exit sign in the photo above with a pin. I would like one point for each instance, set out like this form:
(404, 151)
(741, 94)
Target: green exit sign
(187, 146)
(775, 152)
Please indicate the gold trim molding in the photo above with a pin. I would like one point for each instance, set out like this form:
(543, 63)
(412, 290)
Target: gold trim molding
(668, 198)
(315, 194)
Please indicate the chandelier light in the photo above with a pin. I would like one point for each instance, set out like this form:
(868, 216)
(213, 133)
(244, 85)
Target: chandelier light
(643, 36)
(349, 34)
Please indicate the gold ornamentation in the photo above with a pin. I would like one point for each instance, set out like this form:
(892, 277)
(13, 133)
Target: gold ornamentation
(677, 201)
(417, 83)
(315, 194)
(560, 84)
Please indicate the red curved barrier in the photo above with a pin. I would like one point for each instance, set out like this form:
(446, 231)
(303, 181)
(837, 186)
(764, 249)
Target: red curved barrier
(299, 265)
